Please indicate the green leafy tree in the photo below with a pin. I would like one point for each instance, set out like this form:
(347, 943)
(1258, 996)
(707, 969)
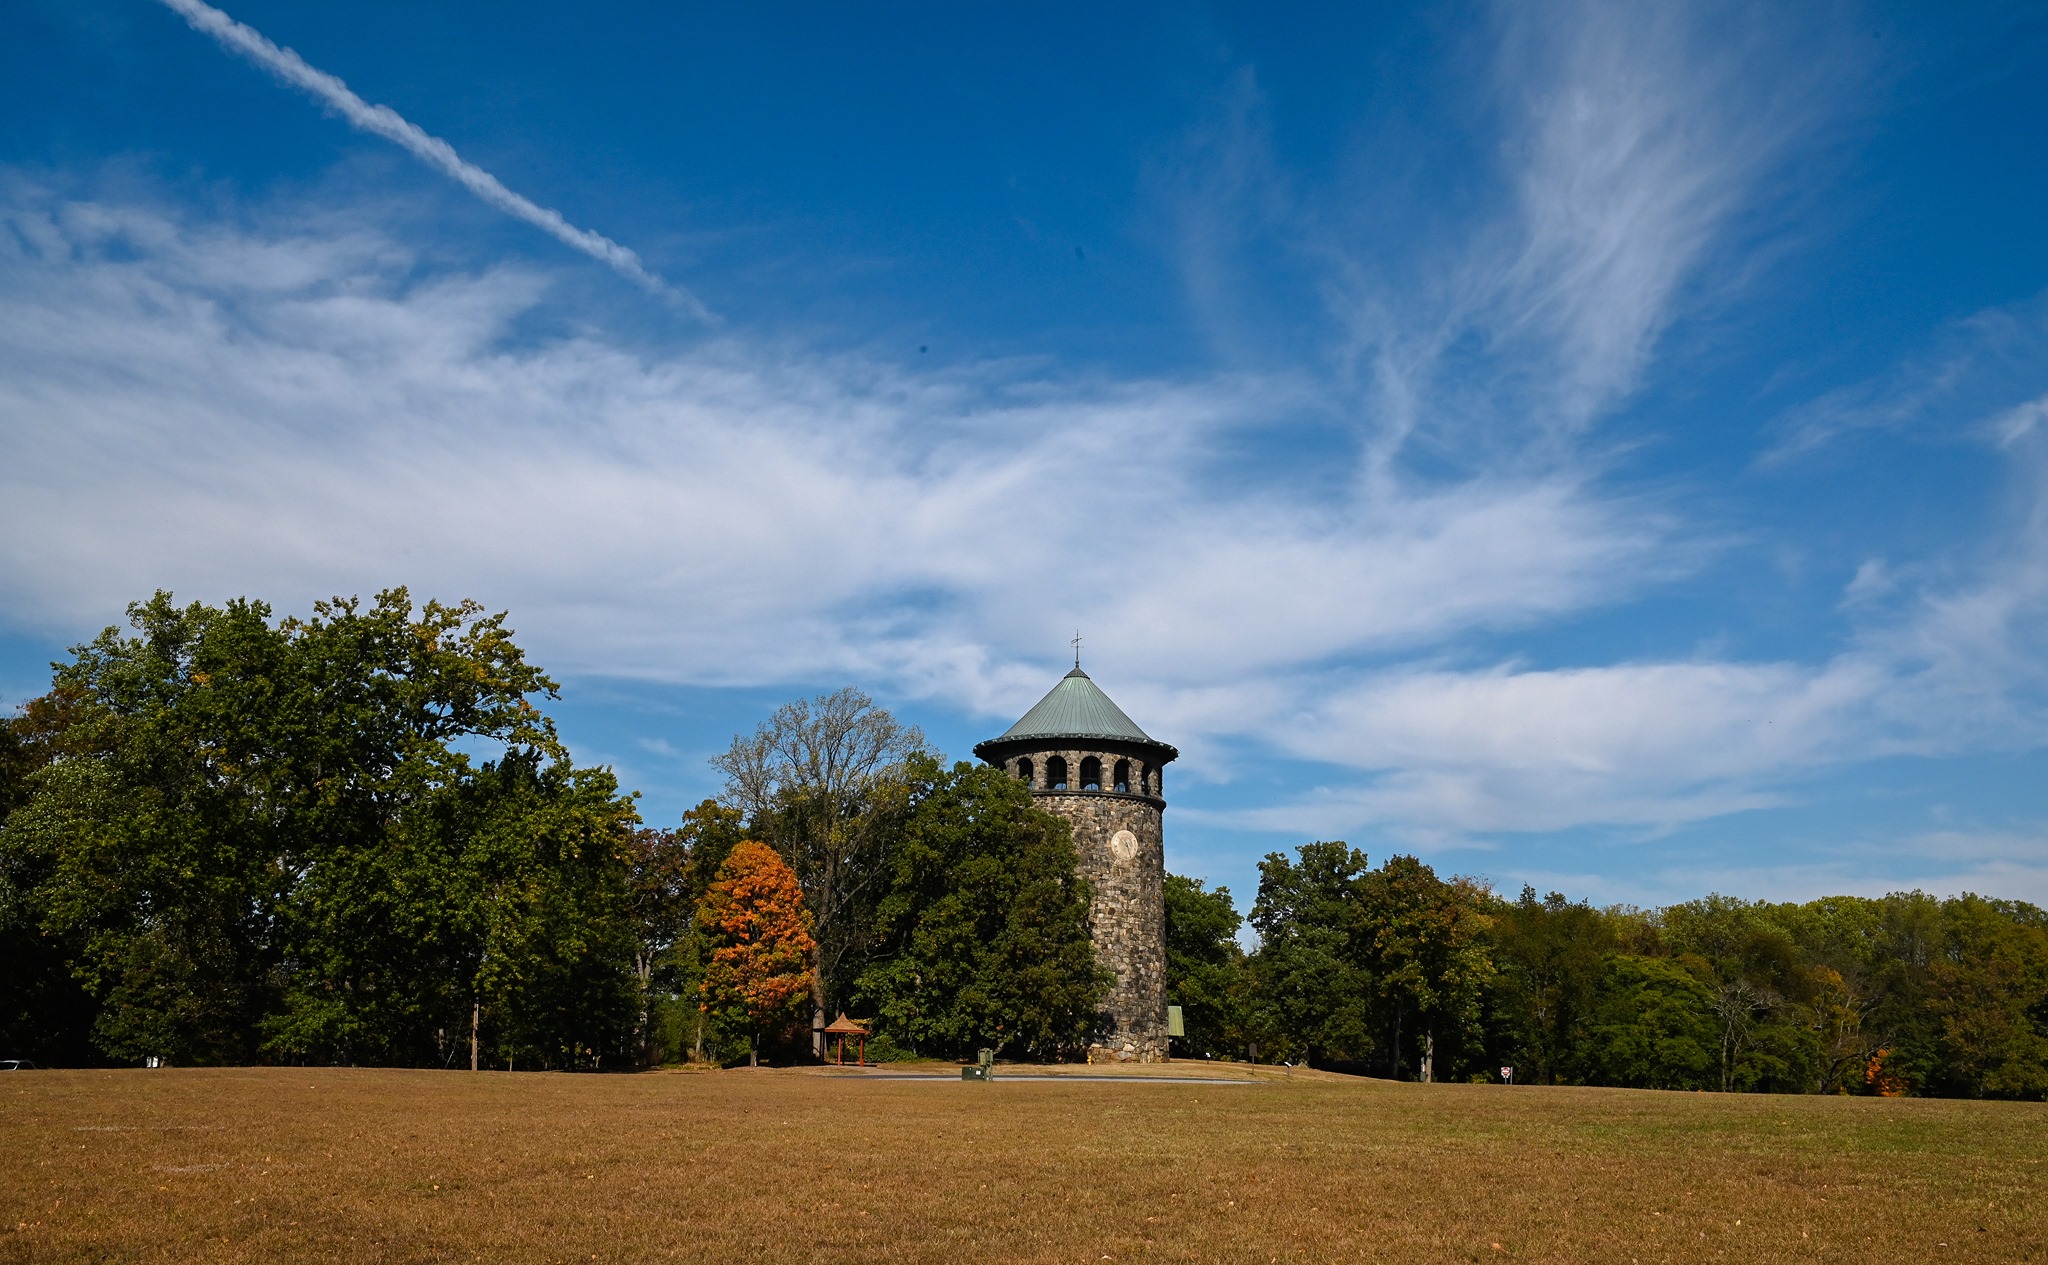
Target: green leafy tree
(497, 909)
(1901, 949)
(1552, 957)
(269, 838)
(1354, 962)
(983, 936)
(1430, 957)
(151, 854)
(1989, 996)
(540, 898)
(1311, 976)
(1841, 1046)
(1205, 973)
(45, 1012)
(1653, 1028)
(705, 838)
(1840, 940)
(656, 860)
(1763, 985)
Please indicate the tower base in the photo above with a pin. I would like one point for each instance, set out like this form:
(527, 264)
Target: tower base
(1129, 1048)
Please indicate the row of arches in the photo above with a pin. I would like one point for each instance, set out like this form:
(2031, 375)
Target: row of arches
(1088, 777)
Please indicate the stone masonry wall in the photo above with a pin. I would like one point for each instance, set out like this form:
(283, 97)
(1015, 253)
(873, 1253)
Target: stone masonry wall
(1123, 857)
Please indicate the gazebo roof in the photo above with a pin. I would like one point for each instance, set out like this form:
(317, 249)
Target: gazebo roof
(842, 1026)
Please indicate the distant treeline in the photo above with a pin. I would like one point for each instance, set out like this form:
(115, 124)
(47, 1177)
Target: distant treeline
(1397, 972)
(355, 837)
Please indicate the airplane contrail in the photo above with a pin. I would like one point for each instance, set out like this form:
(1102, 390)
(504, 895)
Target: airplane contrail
(386, 122)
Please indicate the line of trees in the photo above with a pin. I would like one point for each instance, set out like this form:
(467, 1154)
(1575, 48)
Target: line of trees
(355, 837)
(1399, 972)
(351, 837)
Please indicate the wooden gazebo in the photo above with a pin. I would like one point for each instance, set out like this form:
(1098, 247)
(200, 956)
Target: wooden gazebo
(842, 1028)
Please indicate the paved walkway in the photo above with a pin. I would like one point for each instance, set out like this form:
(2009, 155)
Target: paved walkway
(1045, 1080)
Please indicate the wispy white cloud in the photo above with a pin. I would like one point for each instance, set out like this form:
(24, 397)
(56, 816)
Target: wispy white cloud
(1640, 136)
(1629, 159)
(1984, 372)
(1507, 750)
(225, 410)
(380, 120)
(2018, 422)
(1946, 666)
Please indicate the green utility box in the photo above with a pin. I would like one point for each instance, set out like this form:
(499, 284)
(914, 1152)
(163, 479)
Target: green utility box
(974, 1072)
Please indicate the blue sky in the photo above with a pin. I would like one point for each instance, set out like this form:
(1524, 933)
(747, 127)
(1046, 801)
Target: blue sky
(1596, 445)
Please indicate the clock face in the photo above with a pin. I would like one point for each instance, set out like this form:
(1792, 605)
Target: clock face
(1124, 844)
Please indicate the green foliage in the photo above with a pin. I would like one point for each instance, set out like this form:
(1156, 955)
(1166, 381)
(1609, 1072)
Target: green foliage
(1311, 976)
(255, 838)
(1988, 991)
(1430, 957)
(1375, 967)
(1952, 995)
(1356, 964)
(983, 935)
(671, 871)
(883, 1050)
(1552, 957)
(1205, 973)
(1652, 1027)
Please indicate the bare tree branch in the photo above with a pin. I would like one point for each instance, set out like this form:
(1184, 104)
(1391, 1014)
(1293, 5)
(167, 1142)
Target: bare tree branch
(822, 776)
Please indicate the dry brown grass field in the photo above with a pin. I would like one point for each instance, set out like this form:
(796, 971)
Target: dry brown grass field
(791, 1165)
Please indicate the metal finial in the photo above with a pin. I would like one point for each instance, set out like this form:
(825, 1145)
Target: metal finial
(1076, 643)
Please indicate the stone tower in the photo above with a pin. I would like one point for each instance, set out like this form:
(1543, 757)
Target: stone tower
(1085, 760)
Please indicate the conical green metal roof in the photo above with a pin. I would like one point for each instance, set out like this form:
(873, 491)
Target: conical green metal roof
(1077, 708)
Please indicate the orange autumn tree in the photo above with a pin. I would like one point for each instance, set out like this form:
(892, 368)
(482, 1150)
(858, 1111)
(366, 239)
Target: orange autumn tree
(756, 932)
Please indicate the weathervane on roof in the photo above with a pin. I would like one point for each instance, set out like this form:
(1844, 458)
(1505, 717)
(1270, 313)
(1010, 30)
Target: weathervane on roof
(1076, 643)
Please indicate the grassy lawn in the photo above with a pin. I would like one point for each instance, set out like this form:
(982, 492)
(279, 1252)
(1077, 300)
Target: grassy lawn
(352, 1165)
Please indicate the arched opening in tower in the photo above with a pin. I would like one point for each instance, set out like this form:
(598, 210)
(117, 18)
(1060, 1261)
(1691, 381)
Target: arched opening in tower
(1091, 773)
(1056, 773)
(1122, 780)
(1024, 770)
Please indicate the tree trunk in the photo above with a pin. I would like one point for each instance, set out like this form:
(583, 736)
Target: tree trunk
(820, 880)
(476, 1014)
(643, 966)
(697, 1044)
(818, 985)
(1397, 1041)
(1428, 1058)
(754, 1051)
